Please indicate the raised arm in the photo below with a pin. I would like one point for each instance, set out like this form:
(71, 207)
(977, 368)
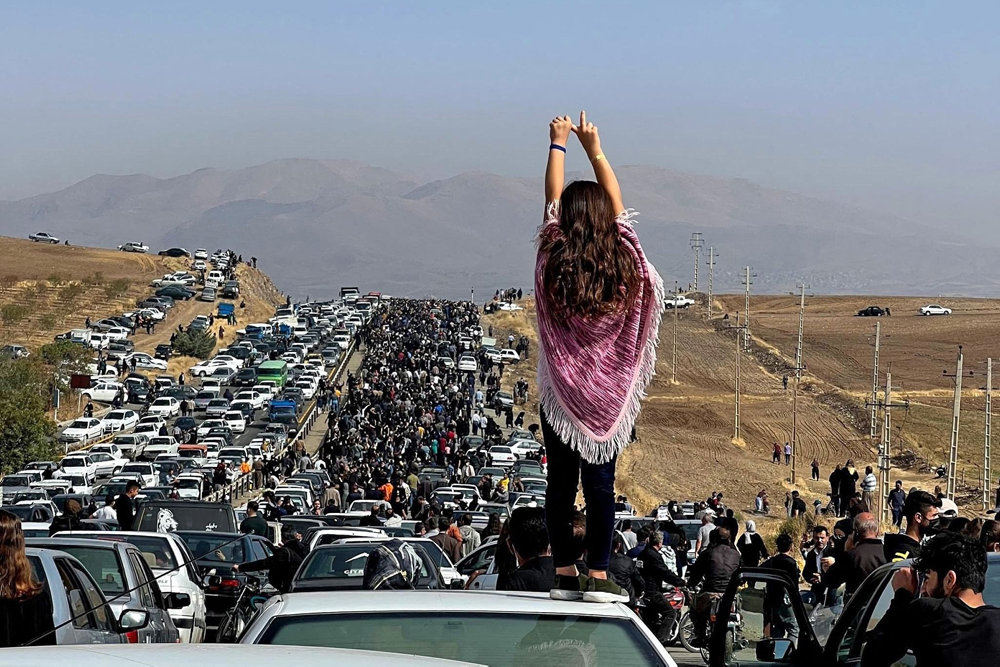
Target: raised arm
(555, 170)
(605, 175)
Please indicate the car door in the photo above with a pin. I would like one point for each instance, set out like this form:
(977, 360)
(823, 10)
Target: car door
(859, 617)
(92, 620)
(754, 598)
(161, 629)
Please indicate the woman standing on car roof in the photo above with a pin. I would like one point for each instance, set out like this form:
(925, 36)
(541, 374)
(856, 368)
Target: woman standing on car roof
(25, 607)
(599, 303)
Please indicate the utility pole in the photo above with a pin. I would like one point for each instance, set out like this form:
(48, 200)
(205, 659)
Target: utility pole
(987, 477)
(884, 450)
(798, 378)
(746, 309)
(739, 351)
(874, 401)
(711, 277)
(697, 243)
(956, 414)
(673, 363)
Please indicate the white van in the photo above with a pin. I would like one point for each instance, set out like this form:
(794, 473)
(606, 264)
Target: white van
(214, 279)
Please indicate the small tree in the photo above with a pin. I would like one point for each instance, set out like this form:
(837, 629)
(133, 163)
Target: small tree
(56, 280)
(25, 428)
(13, 313)
(96, 278)
(116, 288)
(198, 344)
(71, 291)
(8, 282)
(48, 321)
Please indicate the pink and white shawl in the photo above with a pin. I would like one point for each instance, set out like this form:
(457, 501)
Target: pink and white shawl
(593, 371)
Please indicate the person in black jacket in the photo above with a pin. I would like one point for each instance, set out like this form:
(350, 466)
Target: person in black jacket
(779, 619)
(812, 571)
(950, 624)
(25, 605)
(655, 573)
(125, 506)
(622, 570)
(529, 541)
(858, 560)
(68, 520)
(714, 568)
(283, 563)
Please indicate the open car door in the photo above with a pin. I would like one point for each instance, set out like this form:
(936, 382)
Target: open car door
(762, 621)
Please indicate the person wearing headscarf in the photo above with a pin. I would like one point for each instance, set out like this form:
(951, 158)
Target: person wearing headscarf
(751, 546)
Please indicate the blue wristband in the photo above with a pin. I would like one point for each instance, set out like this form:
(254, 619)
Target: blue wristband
(557, 147)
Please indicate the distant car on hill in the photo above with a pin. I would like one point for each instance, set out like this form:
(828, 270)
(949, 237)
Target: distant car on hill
(175, 252)
(871, 311)
(934, 309)
(43, 237)
(134, 246)
(176, 292)
(678, 301)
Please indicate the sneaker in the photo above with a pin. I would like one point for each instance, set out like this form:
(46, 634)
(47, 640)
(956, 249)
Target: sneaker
(568, 588)
(604, 590)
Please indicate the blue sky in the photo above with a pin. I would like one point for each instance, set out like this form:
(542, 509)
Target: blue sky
(886, 105)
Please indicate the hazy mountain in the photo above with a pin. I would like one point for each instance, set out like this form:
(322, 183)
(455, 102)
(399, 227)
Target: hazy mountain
(317, 224)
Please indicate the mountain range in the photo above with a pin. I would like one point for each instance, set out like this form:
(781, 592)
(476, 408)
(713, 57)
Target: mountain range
(315, 225)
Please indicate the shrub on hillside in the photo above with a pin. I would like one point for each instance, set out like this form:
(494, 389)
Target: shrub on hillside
(55, 280)
(40, 289)
(13, 313)
(8, 281)
(96, 278)
(116, 288)
(25, 428)
(198, 344)
(71, 291)
(66, 356)
(48, 321)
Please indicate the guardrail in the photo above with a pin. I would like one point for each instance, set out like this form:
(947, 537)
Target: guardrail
(243, 484)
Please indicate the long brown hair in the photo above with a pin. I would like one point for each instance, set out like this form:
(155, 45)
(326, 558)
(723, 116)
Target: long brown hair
(17, 580)
(588, 269)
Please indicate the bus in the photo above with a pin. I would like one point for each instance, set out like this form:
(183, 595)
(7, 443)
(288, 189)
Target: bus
(276, 371)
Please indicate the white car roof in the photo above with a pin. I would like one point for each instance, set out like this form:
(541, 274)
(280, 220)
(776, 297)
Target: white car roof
(218, 655)
(483, 602)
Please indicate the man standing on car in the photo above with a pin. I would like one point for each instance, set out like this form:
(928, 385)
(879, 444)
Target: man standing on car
(125, 506)
(950, 624)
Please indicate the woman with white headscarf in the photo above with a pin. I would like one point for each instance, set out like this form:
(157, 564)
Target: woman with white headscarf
(751, 546)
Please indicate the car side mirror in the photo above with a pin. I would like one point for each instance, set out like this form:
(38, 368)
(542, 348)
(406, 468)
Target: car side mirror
(177, 600)
(457, 585)
(775, 650)
(133, 619)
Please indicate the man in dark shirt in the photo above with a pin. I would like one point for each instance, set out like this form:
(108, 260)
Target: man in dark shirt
(655, 573)
(812, 571)
(798, 505)
(921, 510)
(777, 607)
(950, 624)
(714, 568)
(622, 569)
(254, 523)
(125, 506)
(858, 560)
(897, 497)
(529, 539)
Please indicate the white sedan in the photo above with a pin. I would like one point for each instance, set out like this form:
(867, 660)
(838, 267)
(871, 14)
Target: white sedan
(501, 455)
(208, 425)
(207, 367)
(509, 356)
(119, 420)
(256, 399)
(467, 362)
(147, 313)
(143, 360)
(106, 465)
(82, 430)
(235, 420)
(80, 464)
(167, 406)
(934, 309)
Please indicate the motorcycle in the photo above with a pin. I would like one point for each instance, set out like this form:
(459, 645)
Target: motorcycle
(675, 597)
(735, 638)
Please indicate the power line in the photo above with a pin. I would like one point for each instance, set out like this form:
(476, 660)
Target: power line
(956, 415)
(697, 243)
(737, 372)
(798, 378)
(712, 256)
(746, 309)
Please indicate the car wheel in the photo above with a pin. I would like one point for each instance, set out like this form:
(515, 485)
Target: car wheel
(926, 313)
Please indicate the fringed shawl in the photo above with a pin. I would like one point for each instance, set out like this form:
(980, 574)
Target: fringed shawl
(593, 371)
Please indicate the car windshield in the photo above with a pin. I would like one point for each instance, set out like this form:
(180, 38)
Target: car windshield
(79, 423)
(22, 512)
(74, 463)
(494, 639)
(163, 557)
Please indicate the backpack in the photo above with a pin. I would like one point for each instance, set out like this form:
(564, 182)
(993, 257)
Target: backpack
(393, 565)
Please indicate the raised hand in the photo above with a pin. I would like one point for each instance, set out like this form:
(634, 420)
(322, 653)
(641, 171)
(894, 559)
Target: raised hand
(586, 132)
(559, 130)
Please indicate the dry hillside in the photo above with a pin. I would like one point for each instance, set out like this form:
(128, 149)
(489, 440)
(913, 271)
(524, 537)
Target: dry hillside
(48, 289)
(686, 447)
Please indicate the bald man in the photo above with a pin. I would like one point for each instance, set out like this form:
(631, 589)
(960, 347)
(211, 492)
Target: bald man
(865, 553)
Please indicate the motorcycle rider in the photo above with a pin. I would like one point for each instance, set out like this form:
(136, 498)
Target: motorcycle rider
(623, 571)
(659, 615)
(714, 568)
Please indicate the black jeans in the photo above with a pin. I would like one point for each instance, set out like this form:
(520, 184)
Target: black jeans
(565, 470)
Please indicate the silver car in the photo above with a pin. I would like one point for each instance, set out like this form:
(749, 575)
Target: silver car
(122, 574)
(79, 609)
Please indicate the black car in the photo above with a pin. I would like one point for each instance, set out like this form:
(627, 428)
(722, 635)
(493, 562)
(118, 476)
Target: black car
(126, 322)
(121, 347)
(187, 425)
(223, 432)
(289, 420)
(174, 252)
(871, 311)
(231, 289)
(176, 292)
(163, 351)
(182, 392)
(245, 377)
(217, 552)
